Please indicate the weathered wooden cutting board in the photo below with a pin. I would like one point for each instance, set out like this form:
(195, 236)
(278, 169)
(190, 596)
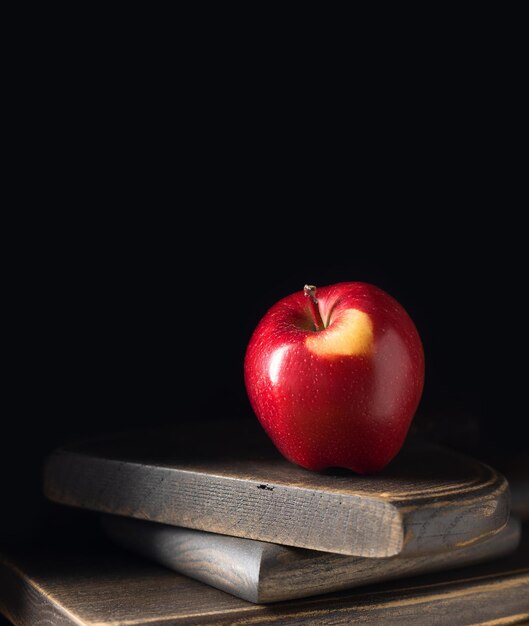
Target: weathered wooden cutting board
(115, 589)
(266, 572)
(229, 479)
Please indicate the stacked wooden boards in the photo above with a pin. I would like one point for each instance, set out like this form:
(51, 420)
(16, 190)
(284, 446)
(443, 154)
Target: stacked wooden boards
(226, 508)
(428, 540)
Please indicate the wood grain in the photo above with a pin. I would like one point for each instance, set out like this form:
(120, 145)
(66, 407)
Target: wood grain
(265, 572)
(229, 479)
(115, 589)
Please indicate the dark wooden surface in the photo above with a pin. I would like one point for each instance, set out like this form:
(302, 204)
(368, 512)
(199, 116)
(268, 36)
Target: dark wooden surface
(117, 589)
(230, 480)
(265, 572)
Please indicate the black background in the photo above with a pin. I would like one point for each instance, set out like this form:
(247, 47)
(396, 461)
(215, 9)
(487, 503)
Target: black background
(153, 229)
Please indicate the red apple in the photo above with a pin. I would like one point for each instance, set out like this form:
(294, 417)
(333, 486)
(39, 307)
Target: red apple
(335, 376)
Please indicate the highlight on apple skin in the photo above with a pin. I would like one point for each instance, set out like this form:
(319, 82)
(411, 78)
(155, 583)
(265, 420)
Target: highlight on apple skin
(335, 376)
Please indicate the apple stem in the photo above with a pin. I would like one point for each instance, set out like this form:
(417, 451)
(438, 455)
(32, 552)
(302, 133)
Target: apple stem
(310, 293)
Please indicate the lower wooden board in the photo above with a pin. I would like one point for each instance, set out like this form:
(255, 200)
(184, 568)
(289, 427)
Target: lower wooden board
(264, 572)
(229, 479)
(117, 589)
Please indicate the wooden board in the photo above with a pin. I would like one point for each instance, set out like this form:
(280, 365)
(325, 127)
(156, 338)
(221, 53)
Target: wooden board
(229, 479)
(115, 589)
(266, 572)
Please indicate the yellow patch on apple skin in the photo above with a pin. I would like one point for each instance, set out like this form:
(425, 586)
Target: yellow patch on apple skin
(351, 335)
